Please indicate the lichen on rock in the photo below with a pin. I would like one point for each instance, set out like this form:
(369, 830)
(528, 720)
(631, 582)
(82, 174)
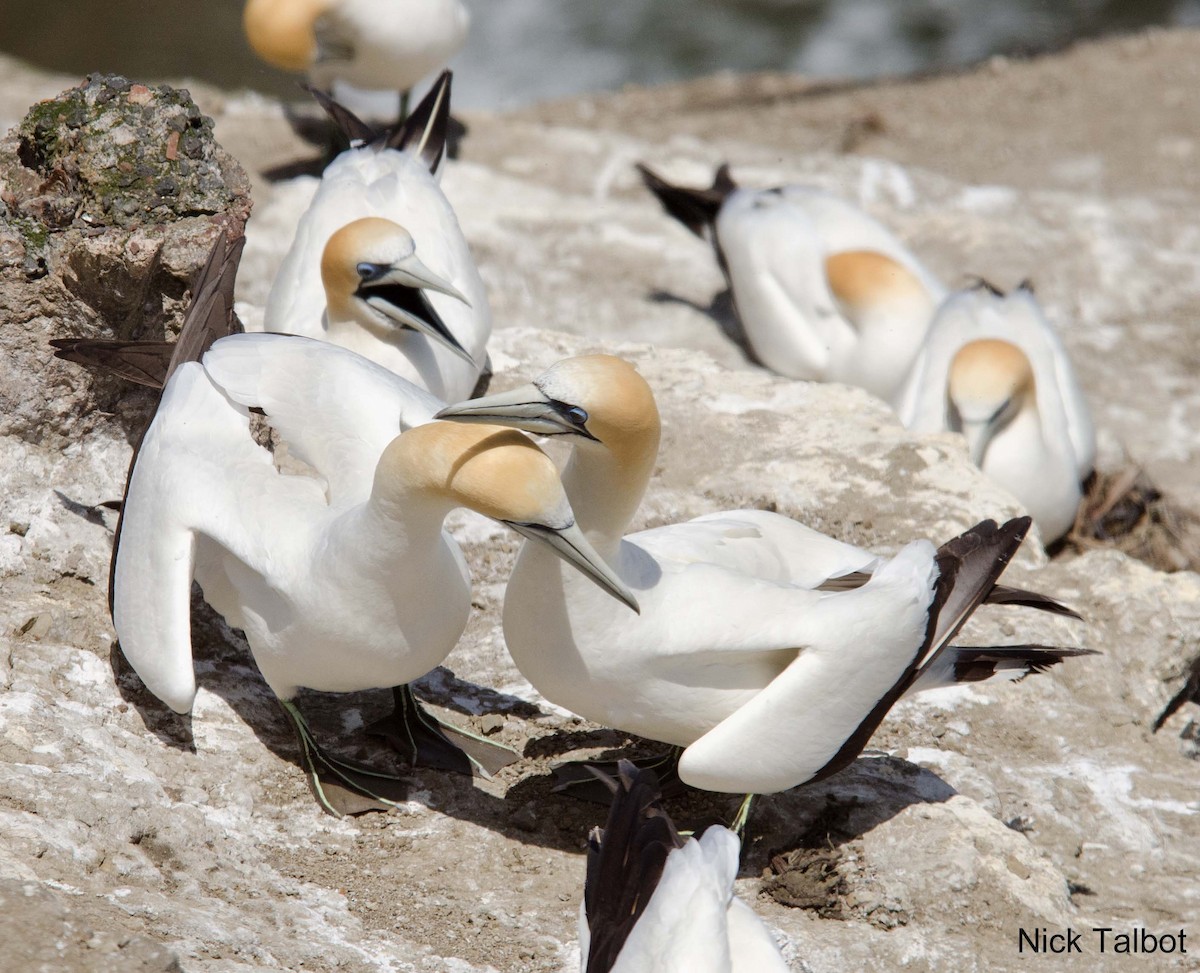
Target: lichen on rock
(111, 195)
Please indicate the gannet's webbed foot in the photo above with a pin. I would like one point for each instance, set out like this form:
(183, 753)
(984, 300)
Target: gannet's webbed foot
(423, 740)
(577, 779)
(343, 786)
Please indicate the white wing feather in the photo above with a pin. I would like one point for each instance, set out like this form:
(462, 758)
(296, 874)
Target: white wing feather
(336, 410)
(179, 496)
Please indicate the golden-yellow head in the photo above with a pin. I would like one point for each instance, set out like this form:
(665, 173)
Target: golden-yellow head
(282, 32)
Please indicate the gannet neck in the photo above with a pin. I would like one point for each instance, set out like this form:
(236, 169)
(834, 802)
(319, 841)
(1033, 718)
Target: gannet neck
(606, 488)
(607, 476)
(282, 31)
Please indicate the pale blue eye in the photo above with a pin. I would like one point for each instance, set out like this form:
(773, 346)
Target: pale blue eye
(576, 415)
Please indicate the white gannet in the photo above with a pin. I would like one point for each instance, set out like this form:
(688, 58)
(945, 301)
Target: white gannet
(993, 368)
(823, 291)
(737, 646)
(370, 44)
(655, 901)
(408, 295)
(341, 583)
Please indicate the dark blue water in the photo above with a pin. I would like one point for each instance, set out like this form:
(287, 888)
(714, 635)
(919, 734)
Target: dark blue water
(523, 50)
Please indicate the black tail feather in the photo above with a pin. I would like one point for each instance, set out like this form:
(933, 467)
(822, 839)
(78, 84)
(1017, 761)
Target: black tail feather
(1006, 595)
(696, 209)
(625, 863)
(353, 128)
(425, 131)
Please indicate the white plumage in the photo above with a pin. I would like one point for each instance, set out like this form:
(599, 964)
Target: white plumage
(372, 44)
(993, 367)
(341, 581)
(738, 654)
(823, 291)
(380, 182)
(688, 918)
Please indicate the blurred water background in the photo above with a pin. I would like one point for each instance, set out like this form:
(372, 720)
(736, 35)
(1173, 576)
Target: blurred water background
(525, 50)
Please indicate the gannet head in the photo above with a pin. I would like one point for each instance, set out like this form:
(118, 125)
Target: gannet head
(282, 32)
(594, 399)
(990, 382)
(500, 474)
(865, 283)
(372, 275)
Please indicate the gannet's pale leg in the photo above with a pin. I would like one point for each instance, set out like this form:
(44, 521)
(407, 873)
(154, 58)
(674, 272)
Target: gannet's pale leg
(358, 779)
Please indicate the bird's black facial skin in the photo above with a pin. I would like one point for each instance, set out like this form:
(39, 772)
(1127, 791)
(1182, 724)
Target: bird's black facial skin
(368, 272)
(575, 416)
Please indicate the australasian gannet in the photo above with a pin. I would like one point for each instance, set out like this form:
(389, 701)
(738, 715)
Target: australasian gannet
(340, 583)
(656, 901)
(406, 296)
(754, 629)
(823, 291)
(371, 44)
(993, 368)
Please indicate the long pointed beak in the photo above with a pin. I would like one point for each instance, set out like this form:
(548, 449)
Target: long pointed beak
(570, 544)
(400, 295)
(525, 407)
(979, 437)
(413, 273)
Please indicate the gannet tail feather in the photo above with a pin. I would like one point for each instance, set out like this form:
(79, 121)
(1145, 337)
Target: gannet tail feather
(1006, 595)
(958, 664)
(625, 863)
(209, 317)
(424, 132)
(695, 208)
(141, 362)
(150, 363)
(356, 131)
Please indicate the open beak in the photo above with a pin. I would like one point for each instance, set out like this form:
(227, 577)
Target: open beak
(399, 295)
(570, 544)
(526, 407)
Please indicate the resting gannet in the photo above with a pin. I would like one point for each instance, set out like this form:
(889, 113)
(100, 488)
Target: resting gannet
(655, 901)
(371, 44)
(754, 629)
(379, 264)
(823, 291)
(994, 369)
(340, 583)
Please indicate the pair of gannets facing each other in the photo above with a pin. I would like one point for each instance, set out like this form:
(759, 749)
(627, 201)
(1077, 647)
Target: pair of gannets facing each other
(823, 291)
(371, 44)
(340, 584)
(656, 901)
(768, 650)
(379, 264)
(993, 368)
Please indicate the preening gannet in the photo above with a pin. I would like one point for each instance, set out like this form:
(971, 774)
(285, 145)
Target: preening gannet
(993, 368)
(379, 264)
(759, 647)
(340, 583)
(656, 901)
(823, 291)
(372, 44)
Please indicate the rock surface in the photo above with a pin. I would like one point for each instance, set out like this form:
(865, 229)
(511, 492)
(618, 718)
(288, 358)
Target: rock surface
(111, 195)
(129, 832)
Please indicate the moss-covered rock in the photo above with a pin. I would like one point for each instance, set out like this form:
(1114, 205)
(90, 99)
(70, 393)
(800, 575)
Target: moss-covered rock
(111, 195)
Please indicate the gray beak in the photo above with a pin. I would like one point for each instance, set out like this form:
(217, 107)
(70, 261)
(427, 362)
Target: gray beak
(399, 295)
(570, 544)
(527, 408)
(979, 437)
